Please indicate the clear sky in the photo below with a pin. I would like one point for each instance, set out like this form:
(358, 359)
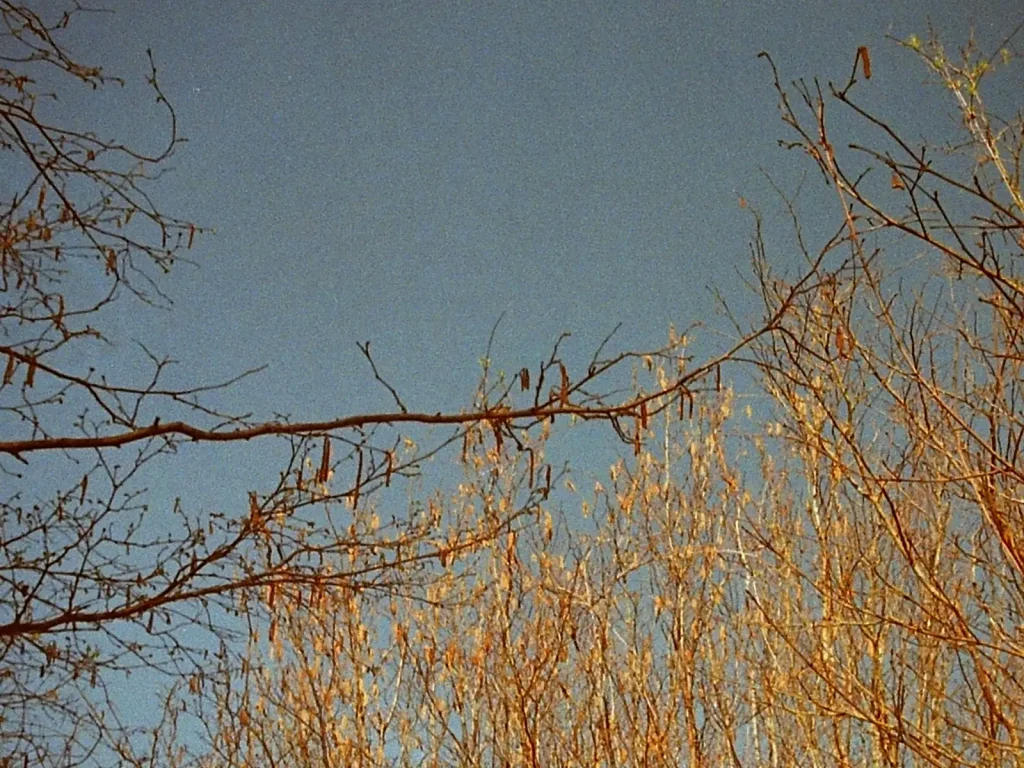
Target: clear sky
(405, 173)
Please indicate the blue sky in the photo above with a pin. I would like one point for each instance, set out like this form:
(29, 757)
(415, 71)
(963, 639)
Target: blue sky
(408, 173)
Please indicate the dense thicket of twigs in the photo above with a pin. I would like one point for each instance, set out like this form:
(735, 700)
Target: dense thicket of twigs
(832, 576)
(896, 528)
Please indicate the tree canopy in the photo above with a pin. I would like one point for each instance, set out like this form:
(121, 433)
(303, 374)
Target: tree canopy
(830, 575)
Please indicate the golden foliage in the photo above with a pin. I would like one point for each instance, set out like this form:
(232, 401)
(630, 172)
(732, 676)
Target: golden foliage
(829, 575)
